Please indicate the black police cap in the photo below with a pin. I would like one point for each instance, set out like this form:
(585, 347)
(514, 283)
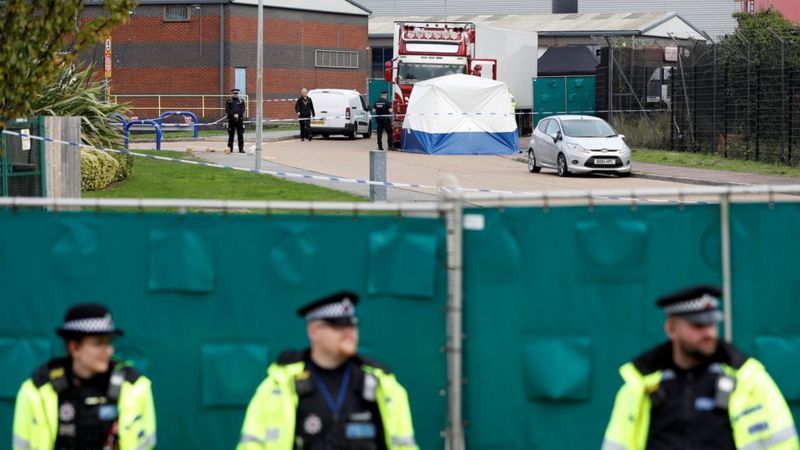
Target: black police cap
(697, 304)
(338, 308)
(235, 91)
(88, 319)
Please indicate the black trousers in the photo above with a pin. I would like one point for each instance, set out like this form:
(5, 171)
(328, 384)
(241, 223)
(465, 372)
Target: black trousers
(384, 124)
(305, 127)
(236, 126)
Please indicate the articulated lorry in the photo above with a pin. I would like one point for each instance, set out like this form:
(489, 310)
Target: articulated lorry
(425, 50)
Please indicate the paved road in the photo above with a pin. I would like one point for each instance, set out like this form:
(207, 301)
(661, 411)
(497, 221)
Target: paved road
(350, 158)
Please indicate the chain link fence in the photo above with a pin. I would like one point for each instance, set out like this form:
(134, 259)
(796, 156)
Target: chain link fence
(736, 98)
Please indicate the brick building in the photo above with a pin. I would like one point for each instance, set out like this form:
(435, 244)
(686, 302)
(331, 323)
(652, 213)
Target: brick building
(206, 47)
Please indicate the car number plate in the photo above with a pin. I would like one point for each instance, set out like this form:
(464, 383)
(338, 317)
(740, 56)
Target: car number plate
(318, 122)
(605, 162)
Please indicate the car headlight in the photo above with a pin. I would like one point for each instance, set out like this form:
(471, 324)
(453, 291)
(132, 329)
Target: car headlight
(577, 148)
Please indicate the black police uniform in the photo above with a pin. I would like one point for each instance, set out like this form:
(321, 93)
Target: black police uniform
(688, 411)
(87, 409)
(337, 407)
(304, 107)
(382, 108)
(235, 105)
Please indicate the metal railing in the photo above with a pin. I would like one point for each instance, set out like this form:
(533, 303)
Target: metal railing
(203, 105)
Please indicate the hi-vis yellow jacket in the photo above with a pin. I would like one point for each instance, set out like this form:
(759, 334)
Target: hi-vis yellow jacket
(270, 420)
(36, 410)
(759, 416)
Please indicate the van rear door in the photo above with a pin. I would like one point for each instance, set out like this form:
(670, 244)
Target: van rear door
(330, 108)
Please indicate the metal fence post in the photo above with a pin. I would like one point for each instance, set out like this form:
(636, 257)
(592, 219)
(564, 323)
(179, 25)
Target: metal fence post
(377, 172)
(455, 334)
(725, 236)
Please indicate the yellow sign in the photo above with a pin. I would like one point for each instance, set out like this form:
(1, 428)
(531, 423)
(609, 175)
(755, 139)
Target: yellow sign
(108, 58)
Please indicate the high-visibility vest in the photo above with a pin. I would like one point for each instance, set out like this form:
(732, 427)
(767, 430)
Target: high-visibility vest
(759, 415)
(36, 412)
(270, 420)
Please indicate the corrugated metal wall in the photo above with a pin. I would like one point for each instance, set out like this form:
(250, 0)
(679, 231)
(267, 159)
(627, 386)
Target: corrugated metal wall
(712, 16)
(456, 7)
(565, 6)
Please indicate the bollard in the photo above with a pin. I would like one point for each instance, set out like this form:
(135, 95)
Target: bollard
(377, 172)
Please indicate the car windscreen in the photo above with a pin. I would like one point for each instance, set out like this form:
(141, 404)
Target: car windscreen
(587, 128)
(410, 73)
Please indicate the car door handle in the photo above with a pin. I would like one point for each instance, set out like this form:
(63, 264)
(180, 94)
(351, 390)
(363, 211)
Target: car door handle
(324, 112)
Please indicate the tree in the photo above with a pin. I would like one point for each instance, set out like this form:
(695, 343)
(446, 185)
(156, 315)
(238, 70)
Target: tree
(38, 38)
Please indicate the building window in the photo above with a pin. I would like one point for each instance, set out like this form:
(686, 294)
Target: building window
(176, 13)
(379, 57)
(336, 59)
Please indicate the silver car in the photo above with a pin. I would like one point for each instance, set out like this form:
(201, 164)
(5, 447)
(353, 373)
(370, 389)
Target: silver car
(578, 144)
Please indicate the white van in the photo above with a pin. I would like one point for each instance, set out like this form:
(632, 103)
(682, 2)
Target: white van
(340, 111)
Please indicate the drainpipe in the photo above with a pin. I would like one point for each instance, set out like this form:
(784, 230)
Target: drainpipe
(222, 49)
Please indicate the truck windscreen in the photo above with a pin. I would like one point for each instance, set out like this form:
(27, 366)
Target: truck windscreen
(410, 73)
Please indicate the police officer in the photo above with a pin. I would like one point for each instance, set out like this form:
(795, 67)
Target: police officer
(234, 108)
(304, 107)
(694, 392)
(87, 400)
(328, 397)
(383, 107)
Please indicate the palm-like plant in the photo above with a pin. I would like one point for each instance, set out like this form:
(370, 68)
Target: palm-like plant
(75, 93)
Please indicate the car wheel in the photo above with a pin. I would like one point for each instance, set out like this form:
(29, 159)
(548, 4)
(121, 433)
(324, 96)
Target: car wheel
(563, 171)
(623, 174)
(368, 134)
(532, 167)
(325, 135)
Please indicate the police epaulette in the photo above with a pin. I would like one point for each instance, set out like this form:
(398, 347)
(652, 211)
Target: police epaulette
(128, 371)
(373, 363)
(52, 371)
(41, 376)
(291, 357)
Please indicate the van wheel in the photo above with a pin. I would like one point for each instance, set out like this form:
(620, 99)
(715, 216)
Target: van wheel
(368, 134)
(325, 135)
(351, 135)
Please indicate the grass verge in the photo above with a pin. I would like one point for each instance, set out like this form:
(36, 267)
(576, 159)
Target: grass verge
(713, 162)
(168, 179)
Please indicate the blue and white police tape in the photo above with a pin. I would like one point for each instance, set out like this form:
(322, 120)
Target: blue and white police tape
(242, 169)
(329, 178)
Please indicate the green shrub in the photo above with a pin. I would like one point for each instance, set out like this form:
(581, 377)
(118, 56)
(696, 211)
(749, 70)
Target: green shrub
(90, 171)
(98, 170)
(125, 161)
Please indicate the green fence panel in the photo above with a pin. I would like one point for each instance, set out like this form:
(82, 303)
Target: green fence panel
(555, 300)
(376, 86)
(581, 95)
(207, 301)
(766, 290)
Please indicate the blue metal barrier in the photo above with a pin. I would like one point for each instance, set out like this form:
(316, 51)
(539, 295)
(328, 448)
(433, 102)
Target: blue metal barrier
(191, 115)
(152, 122)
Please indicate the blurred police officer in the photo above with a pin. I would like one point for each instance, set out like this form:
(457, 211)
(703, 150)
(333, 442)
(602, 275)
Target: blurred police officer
(304, 107)
(328, 397)
(695, 392)
(234, 109)
(383, 108)
(86, 401)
